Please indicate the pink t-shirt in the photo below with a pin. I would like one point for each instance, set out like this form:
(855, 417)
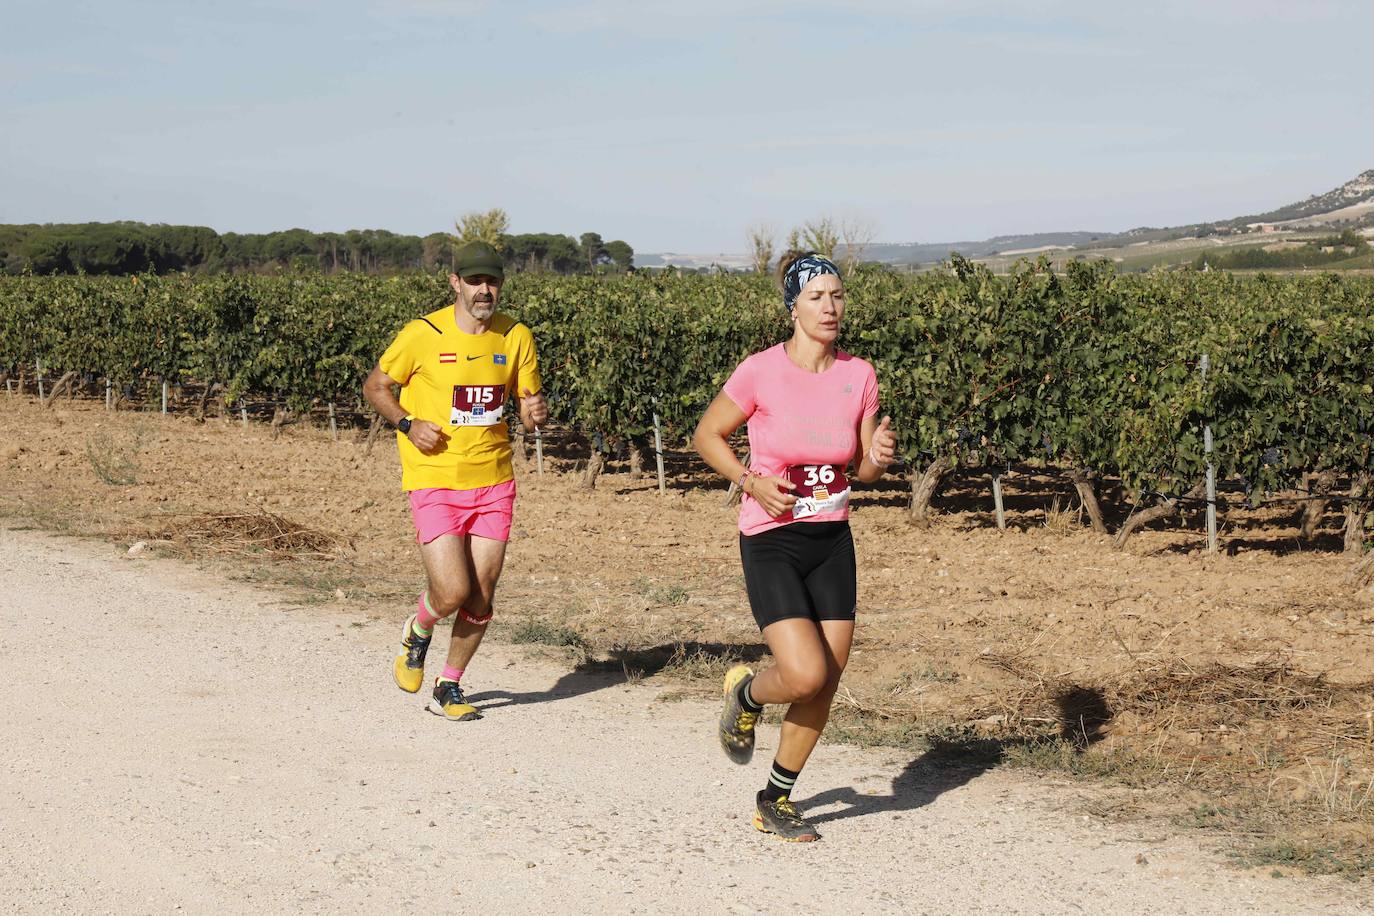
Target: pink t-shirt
(803, 421)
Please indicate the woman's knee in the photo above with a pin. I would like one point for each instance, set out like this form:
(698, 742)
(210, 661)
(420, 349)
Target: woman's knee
(828, 689)
(804, 683)
(834, 671)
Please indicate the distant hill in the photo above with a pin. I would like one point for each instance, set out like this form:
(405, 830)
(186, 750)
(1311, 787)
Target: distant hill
(1332, 207)
(930, 253)
(912, 253)
(1350, 206)
(707, 262)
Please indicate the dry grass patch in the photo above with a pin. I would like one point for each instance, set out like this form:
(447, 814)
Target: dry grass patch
(699, 663)
(538, 631)
(1178, 701)
(1060, 519)
(113, 455)
(244, 533)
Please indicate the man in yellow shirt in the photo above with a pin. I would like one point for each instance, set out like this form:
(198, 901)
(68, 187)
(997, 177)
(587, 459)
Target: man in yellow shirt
(457, 368)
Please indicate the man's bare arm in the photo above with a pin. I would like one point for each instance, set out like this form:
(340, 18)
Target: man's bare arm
(377, 390)
(428, 437)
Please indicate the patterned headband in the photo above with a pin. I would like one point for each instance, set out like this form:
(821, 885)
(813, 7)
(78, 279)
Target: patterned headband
(801, 272)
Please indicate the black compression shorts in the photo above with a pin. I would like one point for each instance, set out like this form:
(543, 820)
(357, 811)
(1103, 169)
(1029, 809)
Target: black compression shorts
(803, 569)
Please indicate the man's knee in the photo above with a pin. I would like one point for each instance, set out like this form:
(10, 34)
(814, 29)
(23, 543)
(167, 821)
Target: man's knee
(448, 598)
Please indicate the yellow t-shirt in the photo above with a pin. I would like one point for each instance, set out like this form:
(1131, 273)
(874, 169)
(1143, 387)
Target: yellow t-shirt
(461, 382)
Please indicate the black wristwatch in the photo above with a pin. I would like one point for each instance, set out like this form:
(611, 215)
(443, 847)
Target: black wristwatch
(403, 425)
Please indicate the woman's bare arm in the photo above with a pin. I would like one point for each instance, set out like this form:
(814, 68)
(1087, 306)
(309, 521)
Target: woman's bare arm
(711, 441)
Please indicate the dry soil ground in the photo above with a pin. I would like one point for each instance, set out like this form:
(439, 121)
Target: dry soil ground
(175, 744)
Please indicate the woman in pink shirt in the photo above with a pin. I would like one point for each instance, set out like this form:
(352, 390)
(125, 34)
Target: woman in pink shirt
(812, 411)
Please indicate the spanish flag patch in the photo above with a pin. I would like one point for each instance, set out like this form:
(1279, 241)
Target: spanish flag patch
(448, 357)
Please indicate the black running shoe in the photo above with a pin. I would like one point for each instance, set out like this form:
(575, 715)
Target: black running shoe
(782, 819)
(409, 667)
(736, 722)
(448, 701)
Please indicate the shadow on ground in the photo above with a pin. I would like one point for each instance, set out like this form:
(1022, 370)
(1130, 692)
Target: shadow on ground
(947, 765)
(620, 666)
(578, 682)
(940, 769)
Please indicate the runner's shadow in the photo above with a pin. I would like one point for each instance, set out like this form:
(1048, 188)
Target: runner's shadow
(937, 771)
(620, 666)
(947, 765)
(578, 682)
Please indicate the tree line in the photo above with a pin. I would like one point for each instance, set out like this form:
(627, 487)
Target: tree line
(1319, 252)
(123, 248)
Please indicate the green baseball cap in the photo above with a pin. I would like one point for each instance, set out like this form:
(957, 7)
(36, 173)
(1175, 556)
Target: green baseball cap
(477, 258)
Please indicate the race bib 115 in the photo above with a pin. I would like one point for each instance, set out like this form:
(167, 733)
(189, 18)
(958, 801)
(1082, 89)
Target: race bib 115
(477, 405)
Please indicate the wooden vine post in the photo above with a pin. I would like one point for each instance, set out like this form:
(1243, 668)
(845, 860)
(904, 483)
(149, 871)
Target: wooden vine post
(658, 451)
(997, 502)
(1206, 364)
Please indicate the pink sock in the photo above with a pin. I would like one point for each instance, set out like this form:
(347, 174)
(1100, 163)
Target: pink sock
(424, 616)
(451, 674)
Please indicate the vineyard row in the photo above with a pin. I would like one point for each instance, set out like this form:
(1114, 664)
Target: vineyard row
(1093, 372)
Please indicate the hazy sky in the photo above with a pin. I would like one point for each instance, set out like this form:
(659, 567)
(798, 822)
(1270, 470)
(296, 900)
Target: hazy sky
(675, 125)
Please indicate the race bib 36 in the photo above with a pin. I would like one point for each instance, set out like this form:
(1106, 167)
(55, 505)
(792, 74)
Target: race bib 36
(820, 488)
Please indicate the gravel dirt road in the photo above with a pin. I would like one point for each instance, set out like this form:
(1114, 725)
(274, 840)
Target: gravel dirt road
(172, 742)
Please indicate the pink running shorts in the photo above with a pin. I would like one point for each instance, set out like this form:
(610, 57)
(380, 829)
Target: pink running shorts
(484, 512)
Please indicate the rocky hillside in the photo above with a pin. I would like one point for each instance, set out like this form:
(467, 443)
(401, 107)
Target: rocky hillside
(1358, 190)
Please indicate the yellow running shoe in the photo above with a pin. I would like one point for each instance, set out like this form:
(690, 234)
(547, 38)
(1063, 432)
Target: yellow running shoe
(448, 701)
(736, 722)
(782, 819)
(409, 667)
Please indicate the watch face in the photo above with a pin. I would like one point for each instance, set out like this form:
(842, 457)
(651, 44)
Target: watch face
(404, 425)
